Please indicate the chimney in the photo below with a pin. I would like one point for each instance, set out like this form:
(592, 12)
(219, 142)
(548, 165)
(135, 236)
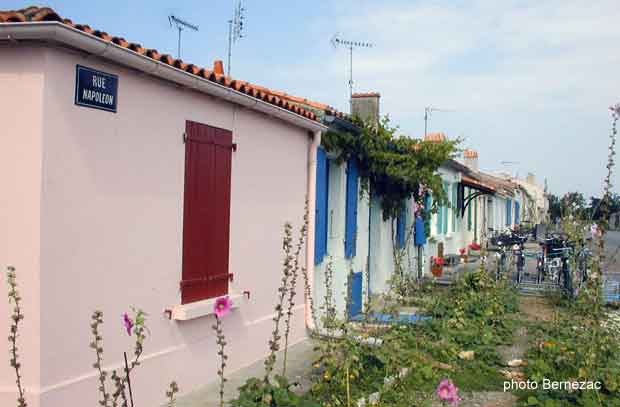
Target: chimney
(531, 179)
(218, 67)
(471, 159)
(366, 106)
(435, 137)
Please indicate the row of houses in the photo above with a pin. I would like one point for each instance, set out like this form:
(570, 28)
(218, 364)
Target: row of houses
(353, 238)
(131, 178)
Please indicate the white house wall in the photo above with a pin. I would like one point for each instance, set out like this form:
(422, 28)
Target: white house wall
(336, 227)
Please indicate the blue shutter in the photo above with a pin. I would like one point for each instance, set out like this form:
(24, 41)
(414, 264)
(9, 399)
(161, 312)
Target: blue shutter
(439, 219)
(355, 307)
(509, 212)
(320, 220)
(351, 209)
(517, 212)
(401, 226)
(446, 187)
(420, 231)
(455, 187)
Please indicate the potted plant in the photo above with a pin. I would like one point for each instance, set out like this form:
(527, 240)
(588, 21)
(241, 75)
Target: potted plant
(437, 264)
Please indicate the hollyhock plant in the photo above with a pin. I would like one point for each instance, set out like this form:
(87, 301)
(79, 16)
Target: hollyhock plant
(448, 392)
(222, 307)
(128, 323)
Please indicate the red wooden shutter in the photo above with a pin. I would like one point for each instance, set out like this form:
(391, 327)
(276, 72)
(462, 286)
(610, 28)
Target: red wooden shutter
(206, 214)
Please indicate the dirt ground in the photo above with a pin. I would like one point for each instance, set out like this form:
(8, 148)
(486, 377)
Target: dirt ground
(535, 309)
(531, 309)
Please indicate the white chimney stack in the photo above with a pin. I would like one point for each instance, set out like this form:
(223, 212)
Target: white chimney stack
(471, 159)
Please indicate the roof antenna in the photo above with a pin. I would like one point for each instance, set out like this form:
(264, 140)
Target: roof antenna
(180, 25)
(337, 41)
(235, 29)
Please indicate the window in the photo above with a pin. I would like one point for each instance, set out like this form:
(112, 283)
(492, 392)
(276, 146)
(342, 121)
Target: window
(206, 213)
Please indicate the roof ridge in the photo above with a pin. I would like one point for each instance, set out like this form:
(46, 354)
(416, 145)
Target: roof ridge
(277, 98)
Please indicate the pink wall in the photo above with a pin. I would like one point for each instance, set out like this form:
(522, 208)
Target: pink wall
(21, 77)
(111, 216)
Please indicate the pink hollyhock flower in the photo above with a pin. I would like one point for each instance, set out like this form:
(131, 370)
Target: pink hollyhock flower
(475, 246)
(448, 392)
(462, 251)
(222, 307)
(128, 323)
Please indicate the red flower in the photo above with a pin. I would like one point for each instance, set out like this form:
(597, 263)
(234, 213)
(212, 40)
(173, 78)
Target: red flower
(474, 246)
(439, 261)
(462, 251)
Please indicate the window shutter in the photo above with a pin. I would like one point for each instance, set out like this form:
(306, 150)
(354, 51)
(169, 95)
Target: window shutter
(517, 212)
(439, 220)
(401, 226)
(206, 213)
(351, 209)
(509, 212)
(476, 219)
(320, 220)
(446, 187)
(468, 211)
(454, 207)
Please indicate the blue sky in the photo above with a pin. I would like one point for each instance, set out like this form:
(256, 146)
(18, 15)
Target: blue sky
(526, 81)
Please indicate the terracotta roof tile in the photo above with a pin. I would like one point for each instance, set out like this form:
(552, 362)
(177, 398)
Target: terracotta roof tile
(281, 99)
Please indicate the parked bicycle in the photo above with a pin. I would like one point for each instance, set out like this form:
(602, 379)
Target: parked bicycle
(561, 264)
(509, 242)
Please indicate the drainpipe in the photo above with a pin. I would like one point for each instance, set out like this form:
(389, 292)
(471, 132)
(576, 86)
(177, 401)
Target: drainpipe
(316, 141)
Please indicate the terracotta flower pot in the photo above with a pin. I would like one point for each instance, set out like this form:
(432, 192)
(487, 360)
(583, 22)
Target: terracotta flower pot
(437, 270)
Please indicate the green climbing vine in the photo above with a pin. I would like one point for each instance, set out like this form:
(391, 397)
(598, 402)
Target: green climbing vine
(394, 167)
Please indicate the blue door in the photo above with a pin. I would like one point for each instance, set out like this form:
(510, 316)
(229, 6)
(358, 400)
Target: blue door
(355, 306)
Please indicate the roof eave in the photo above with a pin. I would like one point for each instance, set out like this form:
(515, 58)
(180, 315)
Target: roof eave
(53, 31)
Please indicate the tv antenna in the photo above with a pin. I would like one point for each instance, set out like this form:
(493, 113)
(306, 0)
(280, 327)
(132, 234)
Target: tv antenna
(180, 25)
(235, 28)
(428, 110)
(350, 45)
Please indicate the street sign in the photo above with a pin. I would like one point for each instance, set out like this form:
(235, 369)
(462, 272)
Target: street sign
(96, 89)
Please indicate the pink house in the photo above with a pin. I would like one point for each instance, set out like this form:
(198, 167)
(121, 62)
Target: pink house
(130, 178)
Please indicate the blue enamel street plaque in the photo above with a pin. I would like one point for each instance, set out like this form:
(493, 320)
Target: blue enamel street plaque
(96, 89)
